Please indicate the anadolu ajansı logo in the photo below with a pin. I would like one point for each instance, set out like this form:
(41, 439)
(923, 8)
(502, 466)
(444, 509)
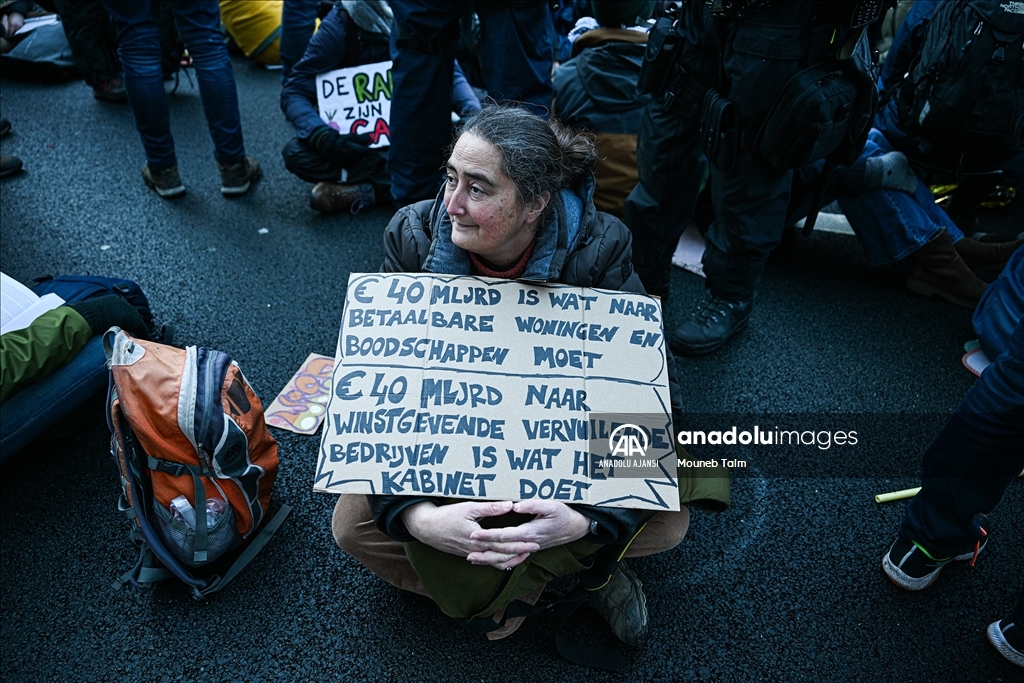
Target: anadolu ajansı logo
(628, 441)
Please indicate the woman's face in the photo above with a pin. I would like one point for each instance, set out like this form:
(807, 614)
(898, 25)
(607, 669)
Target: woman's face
(487, 218)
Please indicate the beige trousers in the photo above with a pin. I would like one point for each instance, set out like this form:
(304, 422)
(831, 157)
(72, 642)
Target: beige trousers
(356, 534)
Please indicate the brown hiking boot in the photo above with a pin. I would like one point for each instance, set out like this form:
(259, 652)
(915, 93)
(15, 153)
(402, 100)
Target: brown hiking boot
(986, 254)
(236, 178)
(333, 197)
(938, 270)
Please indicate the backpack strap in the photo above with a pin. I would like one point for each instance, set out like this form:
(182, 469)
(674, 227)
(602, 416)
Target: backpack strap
(149, 569)
(255, 546)
(146, 571)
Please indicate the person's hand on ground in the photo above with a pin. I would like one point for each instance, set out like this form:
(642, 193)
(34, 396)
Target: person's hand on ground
(453, 528)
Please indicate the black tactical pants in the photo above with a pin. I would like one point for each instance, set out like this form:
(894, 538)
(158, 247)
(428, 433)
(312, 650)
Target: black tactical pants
(92, 38)
(750, 61)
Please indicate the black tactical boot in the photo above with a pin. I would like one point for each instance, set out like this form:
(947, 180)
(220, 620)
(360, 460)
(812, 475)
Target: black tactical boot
(711, 326)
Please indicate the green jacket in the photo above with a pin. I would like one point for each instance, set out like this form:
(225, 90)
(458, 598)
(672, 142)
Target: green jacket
(30, 354)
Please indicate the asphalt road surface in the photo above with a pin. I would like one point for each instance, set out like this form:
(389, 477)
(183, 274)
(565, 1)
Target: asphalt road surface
(784, 586)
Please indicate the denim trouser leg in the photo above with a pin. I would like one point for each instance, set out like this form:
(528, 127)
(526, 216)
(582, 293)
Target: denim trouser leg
(298, 18)
(138, 39)
(198, 22)
(890, 224)
(31, 411)
(1001, 307)
(973, 459)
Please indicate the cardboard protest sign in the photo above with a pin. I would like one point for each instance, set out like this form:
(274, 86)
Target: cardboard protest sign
(356, 100)
(481, 388)
(302, 404)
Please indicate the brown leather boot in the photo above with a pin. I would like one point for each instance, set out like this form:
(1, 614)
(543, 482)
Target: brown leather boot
(333, 197)
(986, 254)
(938, 270)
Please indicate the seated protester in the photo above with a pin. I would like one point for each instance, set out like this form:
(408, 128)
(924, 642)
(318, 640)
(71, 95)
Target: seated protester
(973, 166)
(516, 203)
(965, 472)
(1001, 308)
(897, 221)
(596, 91)
(255, 26)
(55, 364)
(348, 174)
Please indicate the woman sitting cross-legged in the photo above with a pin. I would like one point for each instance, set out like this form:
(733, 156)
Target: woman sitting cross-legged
(516, 204)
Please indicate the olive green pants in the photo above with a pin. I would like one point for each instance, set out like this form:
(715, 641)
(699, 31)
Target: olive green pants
(356, 534)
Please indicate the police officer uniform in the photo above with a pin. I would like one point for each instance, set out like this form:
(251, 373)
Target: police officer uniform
(747, 57)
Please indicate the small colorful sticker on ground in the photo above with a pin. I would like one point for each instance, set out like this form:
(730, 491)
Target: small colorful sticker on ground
(302, 404)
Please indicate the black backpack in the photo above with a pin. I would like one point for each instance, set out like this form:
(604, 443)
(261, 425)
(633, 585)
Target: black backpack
(964, 91)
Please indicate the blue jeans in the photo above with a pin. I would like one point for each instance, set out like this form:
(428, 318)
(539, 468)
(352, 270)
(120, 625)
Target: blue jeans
(1001, 307)
(298, 18)
(973, 459)
(138, 37)
(515, 61)
(891, 224)
(39, 406)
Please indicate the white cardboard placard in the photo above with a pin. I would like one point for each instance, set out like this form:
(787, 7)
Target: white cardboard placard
(357, 99)
(482, 388)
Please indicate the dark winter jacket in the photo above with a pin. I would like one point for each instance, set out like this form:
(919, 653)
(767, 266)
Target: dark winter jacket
(596, 91)
(329, 49)
(578, 245)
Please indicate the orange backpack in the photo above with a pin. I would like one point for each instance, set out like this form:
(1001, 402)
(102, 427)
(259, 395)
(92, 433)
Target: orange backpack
(197, 463)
